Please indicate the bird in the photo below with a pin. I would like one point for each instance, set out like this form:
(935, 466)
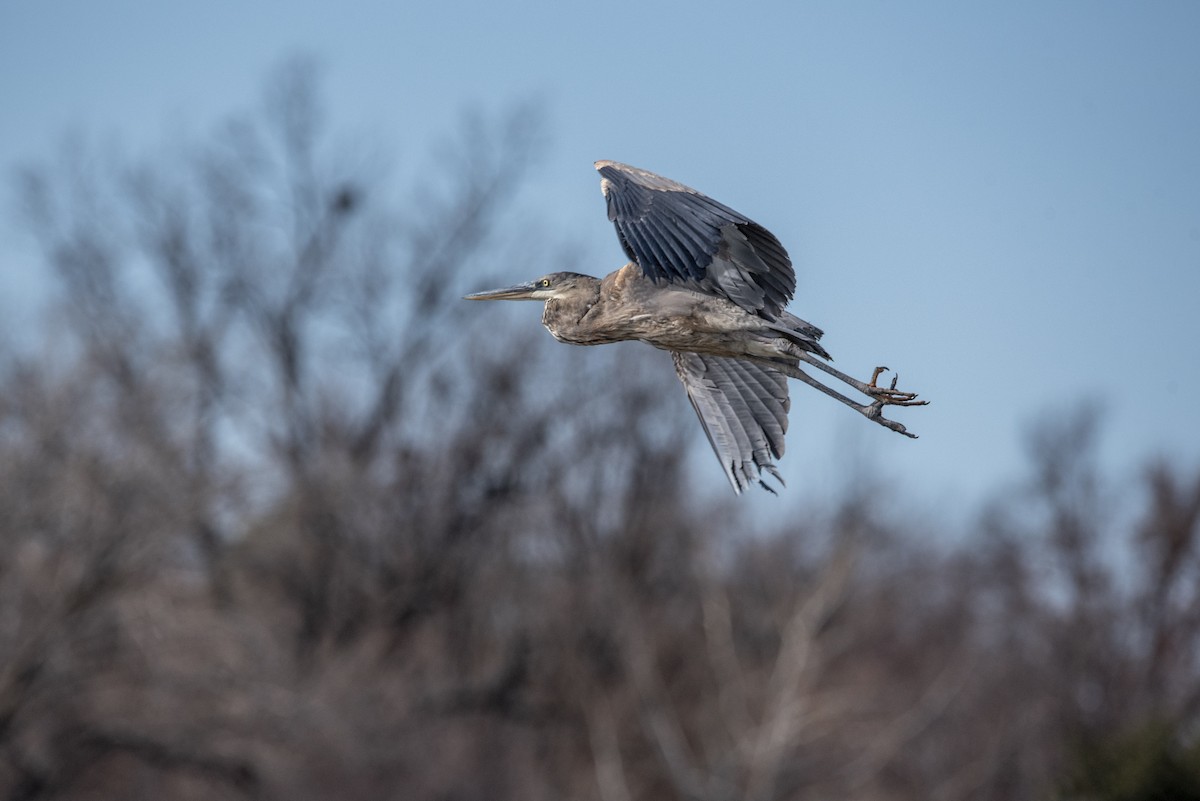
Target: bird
(710, 286)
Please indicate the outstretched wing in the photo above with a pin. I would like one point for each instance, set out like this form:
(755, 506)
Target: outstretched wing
(743, 408)
(674, 233)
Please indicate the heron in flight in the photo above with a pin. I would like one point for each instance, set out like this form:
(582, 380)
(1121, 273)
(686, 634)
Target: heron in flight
(710, 286)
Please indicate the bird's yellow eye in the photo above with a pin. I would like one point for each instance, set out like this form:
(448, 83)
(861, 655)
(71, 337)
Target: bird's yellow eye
(545, 282)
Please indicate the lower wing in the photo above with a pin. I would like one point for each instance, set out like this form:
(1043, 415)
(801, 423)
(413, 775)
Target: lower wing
(743, 408)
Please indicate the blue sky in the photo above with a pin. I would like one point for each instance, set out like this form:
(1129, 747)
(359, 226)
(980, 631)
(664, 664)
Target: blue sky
(1002, 201)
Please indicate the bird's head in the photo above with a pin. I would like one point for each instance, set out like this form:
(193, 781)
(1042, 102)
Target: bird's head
(549, 287)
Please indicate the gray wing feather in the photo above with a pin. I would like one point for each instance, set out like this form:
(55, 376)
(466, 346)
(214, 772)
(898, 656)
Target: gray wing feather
(676, 234)
(743, 408)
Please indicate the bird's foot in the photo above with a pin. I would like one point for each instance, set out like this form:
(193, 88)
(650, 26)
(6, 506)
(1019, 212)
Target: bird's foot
(889, 395)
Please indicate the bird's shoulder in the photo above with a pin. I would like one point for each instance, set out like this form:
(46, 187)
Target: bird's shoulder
(632, 291)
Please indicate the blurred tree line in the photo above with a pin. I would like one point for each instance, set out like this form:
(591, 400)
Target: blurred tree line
(277, 523)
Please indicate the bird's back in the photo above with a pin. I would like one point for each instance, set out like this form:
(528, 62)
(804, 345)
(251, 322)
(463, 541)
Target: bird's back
(667, 315)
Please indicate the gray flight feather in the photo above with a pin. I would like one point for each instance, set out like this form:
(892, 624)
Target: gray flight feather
(743, 407)
(676, 234)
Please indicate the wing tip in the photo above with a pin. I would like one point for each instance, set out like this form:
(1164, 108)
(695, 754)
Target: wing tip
(741, 477)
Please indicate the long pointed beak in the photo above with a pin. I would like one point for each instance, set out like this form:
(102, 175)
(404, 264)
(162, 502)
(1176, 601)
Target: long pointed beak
(518, 292)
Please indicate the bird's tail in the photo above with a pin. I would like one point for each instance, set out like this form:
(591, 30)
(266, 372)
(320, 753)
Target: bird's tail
(802, 333)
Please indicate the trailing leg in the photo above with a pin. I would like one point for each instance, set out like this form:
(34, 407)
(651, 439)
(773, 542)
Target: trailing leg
(883, 396)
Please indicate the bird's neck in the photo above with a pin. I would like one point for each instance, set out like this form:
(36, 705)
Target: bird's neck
(564, 317)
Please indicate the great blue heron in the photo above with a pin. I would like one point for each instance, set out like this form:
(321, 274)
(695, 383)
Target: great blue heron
(709, 285)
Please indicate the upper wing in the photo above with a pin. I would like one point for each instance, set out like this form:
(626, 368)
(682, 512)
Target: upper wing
(674, 233)
(743, 408)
